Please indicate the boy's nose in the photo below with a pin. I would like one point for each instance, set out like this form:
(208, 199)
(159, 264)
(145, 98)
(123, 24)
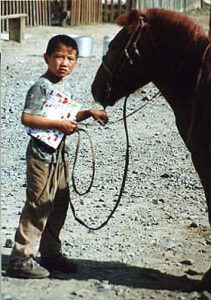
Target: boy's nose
(65, 61)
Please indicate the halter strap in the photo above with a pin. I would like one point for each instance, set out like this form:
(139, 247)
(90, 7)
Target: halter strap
(128, 46)
(132, 42)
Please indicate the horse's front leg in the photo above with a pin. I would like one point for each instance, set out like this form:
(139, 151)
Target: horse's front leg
(201, 162)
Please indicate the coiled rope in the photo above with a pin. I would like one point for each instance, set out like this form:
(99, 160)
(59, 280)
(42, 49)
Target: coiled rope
(80, 221)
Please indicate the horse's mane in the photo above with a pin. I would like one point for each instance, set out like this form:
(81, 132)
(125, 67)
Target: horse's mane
(163, 22)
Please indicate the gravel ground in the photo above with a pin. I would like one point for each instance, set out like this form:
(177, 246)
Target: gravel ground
(157, 245)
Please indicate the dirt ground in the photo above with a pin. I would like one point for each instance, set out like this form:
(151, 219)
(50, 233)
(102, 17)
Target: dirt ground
(157, 245)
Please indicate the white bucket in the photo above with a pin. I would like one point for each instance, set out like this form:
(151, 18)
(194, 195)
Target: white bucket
(106, 41)
(85, 45)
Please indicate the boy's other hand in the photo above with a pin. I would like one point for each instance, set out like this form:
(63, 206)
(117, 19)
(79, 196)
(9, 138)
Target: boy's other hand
(100, 116)
(68, 127)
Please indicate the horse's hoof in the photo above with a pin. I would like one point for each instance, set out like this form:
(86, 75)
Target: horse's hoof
(205, 283)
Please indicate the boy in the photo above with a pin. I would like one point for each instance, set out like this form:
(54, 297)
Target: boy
(44, 213)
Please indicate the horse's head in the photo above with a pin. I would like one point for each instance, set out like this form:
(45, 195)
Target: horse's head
(118, 75)
(161, 46)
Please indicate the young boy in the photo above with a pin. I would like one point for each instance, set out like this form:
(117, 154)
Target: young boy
(44, 213)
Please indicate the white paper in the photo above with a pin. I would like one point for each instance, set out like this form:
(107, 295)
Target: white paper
(57, 106)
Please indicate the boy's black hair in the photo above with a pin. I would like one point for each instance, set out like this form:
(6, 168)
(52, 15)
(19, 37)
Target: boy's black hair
(61, 39)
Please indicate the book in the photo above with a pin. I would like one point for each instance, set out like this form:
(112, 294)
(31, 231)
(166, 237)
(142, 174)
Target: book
(57, 106)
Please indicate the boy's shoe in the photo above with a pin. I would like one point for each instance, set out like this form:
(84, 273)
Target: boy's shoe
(58, 263)
(26, 268)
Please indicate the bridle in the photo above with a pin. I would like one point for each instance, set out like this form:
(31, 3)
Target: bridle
(125, 56)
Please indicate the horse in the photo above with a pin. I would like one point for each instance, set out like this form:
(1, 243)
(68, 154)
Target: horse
(172, 51)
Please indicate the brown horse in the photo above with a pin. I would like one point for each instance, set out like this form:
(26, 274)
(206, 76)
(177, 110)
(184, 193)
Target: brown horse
(173, 52)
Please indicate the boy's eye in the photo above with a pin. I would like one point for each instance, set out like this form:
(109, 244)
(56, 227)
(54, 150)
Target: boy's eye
(71, 58)
(58, 56)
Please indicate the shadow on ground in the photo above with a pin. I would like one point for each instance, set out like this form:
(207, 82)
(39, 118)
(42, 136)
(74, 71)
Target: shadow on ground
(125, 275)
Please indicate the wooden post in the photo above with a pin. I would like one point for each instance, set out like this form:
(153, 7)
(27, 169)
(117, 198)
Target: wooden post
(100, 11)
(112, 10)
(89, 11)
(127, 6)
(210, 25)
(49, 6)
(105, 11)
(119, 7)
(27, 12)
(93, 11)
(42, 12)
(79, 12)
(39, 15)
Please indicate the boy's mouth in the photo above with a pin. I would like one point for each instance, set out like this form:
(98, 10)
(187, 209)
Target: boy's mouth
(62, 71)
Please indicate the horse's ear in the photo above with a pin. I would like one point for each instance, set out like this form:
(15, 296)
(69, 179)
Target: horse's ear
(122, 20)
(132, 19)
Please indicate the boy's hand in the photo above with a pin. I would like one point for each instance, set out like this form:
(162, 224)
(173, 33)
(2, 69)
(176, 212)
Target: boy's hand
(67, 127)
(100, 116)
(39, 122)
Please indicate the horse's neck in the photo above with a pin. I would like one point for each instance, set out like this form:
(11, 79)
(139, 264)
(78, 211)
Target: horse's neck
(179, 90)
(178, 84)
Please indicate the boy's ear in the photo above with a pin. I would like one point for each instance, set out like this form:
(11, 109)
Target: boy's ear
(46, 58)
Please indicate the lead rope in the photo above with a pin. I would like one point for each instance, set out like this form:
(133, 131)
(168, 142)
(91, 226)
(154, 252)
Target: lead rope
(123, 180)
(79, 130)
(137, 109)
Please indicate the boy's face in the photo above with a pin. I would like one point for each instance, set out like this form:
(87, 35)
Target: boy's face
(62, 61)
